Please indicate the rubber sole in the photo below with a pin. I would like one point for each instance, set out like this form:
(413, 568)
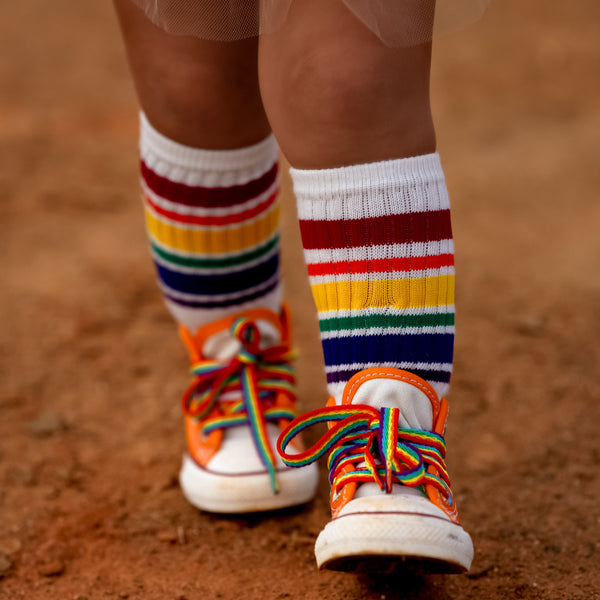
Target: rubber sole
(391, 542)
(245, 492)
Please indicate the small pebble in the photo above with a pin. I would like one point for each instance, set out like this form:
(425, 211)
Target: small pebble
(49, 492)
(51, 568)
(181, 535)
(5, 565)
(22, 475)
(167, 535)
(10, 546)
(46, 424)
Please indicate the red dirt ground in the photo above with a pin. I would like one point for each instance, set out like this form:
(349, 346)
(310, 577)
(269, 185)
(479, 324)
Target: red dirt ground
(91, 368)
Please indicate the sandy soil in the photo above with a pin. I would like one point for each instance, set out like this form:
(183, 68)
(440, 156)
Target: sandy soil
(91, 369)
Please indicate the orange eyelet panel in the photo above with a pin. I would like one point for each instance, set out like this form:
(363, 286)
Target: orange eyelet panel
(286, 324)
(345, 495)
(440, 501)
(201, 448)
(442, 418)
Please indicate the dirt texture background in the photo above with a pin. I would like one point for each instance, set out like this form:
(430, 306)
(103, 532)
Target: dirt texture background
(91, 368)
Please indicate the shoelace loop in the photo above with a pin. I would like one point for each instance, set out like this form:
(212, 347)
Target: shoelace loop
(360, 434)
(258, 375)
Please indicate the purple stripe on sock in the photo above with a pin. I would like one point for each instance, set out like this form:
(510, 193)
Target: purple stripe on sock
(223, 303)
(439, 376)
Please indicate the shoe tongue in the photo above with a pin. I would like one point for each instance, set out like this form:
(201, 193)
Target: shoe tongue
(416, 411)
(224, 346)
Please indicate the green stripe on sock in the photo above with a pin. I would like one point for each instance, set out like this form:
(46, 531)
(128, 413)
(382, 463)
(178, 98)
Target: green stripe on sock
(215, 263)
(368, 321)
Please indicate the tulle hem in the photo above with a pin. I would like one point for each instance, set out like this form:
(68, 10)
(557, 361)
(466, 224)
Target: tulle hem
(396, 22)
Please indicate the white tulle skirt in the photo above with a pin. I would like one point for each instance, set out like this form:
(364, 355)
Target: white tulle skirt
(396, 22)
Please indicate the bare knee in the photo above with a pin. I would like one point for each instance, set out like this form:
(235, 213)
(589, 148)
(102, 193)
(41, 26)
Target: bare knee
(197, 92)
(370, 100)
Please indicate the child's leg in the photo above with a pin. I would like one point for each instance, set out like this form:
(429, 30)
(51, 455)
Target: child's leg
(377, 234)
(199, 93)
(335, 95)
(209, 171)
(353, 117)
(210, 184)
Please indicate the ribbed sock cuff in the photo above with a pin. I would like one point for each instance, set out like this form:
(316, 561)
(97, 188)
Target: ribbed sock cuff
(240, 164)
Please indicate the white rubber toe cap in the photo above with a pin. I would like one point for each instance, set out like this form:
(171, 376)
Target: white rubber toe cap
(245, 491)
(398, 527)
(235, 480)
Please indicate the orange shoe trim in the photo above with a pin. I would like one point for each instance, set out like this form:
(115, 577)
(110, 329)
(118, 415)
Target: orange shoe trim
(203, 447)
(346, 492)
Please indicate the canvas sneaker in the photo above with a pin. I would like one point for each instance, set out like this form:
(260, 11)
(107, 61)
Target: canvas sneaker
(391, 501)
(242, 395)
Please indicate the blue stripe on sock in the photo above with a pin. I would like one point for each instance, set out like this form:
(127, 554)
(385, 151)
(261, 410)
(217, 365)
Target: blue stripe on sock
(414, 348)
(218, 284)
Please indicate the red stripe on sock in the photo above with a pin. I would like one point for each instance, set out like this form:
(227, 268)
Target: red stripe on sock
(382, 265)
(392, 229)
(207, 197)
(223, 220)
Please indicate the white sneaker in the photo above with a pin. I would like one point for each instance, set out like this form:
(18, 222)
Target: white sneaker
(242, 396)
(390, 498)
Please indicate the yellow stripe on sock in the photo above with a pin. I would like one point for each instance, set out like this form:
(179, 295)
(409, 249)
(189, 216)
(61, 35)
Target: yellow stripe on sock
(217, 241)
(397, 293)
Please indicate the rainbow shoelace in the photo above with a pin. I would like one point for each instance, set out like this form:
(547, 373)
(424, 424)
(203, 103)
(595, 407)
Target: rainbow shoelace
(259, 376)
(367, 445)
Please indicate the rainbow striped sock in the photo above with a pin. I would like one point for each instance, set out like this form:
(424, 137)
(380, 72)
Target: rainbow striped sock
(378, 243)
(212, 218)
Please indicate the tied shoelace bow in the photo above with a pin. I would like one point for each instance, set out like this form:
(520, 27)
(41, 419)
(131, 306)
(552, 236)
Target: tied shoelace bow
(361, 434)
(260, 375)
